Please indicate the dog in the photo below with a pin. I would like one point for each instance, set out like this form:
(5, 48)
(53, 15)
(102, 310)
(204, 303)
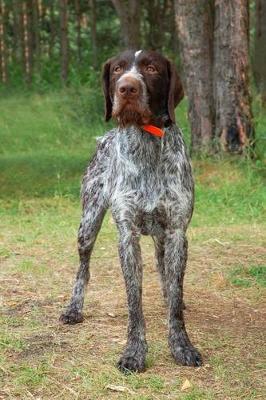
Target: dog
(140, 171)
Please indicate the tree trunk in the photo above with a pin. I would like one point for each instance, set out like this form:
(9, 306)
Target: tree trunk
(78, 27)
(26, 40)
(17, 32)
(53, 30)
(216, 66)
(233, 125)
(64, 40)
(195, 25)
(36, 33)
(172, 29)
(3, 50)
(30, 39)
(259, 64)
(156, 11)
(93, 20)
(129, 16)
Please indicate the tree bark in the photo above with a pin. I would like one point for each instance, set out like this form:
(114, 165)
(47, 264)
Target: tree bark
(30, 39)
(26, 40)
(195, 25)
(17, 32)
(93, 21)
(129, 16)
(233, 125)
(259, 62)
(36, 33)
(53, 30)
(78, 27)
(3, 50)
(172, 29)
(64, 40)
(156, 11)
(214, 52)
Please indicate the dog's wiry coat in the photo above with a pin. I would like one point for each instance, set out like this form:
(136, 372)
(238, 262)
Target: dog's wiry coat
(147, 183)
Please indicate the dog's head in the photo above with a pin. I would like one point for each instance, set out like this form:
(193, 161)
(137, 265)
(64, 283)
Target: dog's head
(140, 88)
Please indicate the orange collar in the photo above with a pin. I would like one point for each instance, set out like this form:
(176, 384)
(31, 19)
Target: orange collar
(153, 130)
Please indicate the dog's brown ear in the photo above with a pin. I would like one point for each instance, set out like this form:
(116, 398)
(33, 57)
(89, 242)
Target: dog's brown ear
(175, 92)
(106, 90)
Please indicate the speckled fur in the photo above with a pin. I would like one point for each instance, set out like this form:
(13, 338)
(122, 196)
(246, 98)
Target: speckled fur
(147, 183)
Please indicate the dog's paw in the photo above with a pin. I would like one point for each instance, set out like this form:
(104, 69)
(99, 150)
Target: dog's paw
(128, 364)
(71, 317)
(188, 356)
(183, 351)
(133, 359)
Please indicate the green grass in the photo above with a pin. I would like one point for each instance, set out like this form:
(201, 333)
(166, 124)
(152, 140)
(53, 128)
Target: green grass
(31, 376)
(45, 144)
(56, 121)
(7, 341)
(47, 140)
(248, 276)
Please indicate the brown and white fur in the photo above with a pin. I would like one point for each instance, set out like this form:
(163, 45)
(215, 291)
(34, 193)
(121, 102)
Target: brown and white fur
(147, 183)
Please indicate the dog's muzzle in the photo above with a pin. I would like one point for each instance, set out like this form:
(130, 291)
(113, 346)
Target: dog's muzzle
(128, 88)
(130, 101)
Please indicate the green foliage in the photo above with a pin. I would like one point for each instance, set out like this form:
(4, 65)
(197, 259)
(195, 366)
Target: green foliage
(46, 64)
(45, 33)
(260, 129)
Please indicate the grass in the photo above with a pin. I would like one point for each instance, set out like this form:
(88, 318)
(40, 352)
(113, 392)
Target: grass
(46, 141)
(249, 276)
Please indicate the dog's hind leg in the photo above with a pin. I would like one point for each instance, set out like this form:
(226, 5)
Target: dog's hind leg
(133, 358)
(175, 263)
(90, 225)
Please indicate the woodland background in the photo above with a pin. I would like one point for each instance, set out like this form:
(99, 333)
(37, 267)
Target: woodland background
(51, 112)
(219, 45)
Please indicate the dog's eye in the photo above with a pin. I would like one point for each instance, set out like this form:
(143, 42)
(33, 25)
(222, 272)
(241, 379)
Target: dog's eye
(118, 69)
(150, 68)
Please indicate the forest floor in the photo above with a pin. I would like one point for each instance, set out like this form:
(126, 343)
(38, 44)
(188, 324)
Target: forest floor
(225, 282)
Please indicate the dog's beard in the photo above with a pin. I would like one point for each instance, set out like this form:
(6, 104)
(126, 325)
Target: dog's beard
(132, 114)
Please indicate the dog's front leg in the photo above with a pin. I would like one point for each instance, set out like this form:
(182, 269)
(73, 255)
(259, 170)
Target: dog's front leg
(133, 358)
(159, 259)
(93, 214)
(175, 263)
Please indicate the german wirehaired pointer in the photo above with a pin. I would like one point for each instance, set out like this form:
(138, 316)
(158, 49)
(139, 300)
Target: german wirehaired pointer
(142, 173)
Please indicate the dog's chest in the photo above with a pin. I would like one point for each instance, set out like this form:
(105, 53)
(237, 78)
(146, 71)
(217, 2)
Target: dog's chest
(146, 171)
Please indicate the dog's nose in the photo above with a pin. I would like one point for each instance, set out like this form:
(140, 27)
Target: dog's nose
(128, 89)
